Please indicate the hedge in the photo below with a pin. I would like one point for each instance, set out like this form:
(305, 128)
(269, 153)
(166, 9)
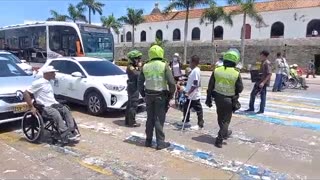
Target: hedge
(203, 67)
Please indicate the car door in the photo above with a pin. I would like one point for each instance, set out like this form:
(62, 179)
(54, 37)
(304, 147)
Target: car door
(59, 85)
(75, 86)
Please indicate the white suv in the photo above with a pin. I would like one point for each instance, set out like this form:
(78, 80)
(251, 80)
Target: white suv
(96, 83)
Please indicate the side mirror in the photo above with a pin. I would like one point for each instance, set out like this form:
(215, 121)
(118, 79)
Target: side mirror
(23, 61)
(77, 74)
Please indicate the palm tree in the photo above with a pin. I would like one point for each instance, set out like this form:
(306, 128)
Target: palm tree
(57, 17)
(134, 17)
(93, 6)
(247, 7)
(111, 22)
(186, 5)
(214, 14)
(76, 13)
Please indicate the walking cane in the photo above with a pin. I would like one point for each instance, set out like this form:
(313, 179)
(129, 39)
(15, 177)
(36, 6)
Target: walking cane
(188, 109)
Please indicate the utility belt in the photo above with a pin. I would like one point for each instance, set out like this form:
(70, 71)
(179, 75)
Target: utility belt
(156, 93)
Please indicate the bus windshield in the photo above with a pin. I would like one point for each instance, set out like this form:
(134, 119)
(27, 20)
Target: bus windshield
(98, 45)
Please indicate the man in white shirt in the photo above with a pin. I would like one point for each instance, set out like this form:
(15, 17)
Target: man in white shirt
(43, 94)
(193, 93)
(280, 67)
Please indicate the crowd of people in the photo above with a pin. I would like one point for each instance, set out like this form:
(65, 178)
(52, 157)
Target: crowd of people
(163, 85)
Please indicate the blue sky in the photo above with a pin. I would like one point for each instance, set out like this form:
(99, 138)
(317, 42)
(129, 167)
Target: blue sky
(18, 11)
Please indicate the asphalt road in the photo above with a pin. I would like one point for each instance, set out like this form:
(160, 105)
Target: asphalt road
(283, 143)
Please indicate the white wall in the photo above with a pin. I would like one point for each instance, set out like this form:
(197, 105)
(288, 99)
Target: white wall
(293, 28)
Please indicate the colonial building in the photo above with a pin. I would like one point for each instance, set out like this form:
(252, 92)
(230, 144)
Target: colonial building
(281, 19)
(288, 26)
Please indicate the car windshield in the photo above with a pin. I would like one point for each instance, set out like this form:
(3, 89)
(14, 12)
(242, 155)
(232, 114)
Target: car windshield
(11, 57)
(101, 68)
(9, 69)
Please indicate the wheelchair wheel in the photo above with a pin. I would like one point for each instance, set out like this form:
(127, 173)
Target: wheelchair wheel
(292, 83)
(32, 127)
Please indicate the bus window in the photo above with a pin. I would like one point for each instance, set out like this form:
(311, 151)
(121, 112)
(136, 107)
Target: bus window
(63, 39)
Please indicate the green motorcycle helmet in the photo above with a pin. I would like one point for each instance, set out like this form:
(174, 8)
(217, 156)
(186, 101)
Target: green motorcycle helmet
(156, 52)
(232, 55)
(133, 55)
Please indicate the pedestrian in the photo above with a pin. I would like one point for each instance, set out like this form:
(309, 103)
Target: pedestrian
(311, 69)
(260, 86)
(176, 66)
(193, 93)
(225, 85)
(133, 72)
(157, 85)
(280, 67)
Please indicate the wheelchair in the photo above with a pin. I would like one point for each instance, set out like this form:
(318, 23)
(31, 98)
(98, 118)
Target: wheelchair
(291, 82)
(35, 127)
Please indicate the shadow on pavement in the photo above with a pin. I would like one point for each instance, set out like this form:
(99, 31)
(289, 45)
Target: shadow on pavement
(120, 123)
(11, 126)
(205, 139)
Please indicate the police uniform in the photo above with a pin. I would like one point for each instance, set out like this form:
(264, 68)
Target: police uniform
(159, 88)
(225, 84)
(133, 72)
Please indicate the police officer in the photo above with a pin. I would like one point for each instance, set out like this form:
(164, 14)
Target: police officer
(224, 86)
(133, 72)
(158, 89)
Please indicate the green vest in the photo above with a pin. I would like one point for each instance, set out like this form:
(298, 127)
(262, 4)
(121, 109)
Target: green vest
(154, 73)
(225, 80)
(293, 72)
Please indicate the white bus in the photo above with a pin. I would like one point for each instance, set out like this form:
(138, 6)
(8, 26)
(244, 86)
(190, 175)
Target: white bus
(39, 41)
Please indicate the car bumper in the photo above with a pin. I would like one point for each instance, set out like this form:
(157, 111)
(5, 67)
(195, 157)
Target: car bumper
(8, 114)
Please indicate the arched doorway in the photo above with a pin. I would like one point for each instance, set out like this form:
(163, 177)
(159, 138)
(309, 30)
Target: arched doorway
(195, 35)
(176, 36)
(247, 34)
(159, 35)
(218, 33)
(277, 30)
(313, 28)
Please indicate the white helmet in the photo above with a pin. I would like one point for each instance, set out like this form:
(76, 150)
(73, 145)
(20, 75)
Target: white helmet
(295, 65)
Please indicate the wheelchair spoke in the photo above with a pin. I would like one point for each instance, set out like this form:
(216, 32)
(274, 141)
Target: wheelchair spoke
(28, 129)
(32, 132)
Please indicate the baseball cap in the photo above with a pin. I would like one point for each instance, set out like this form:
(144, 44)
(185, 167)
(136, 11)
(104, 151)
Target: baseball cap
(49, 69)
(176, 54)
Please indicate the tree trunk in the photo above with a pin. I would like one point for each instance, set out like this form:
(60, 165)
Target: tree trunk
(185, 37)
(132, 36)
(89, 15)
(243, 37)
(212, 42)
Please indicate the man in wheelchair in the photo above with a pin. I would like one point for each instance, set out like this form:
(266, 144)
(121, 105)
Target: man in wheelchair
(294, 74)
(42, 91)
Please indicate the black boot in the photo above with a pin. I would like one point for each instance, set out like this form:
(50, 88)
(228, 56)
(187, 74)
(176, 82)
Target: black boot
(218, 143)
(163, 145)
(148, 143)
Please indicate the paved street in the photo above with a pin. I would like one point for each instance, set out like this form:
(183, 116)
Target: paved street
(283, 143)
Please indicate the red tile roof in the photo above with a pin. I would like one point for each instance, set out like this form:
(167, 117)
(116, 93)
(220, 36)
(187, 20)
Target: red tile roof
(260, 7)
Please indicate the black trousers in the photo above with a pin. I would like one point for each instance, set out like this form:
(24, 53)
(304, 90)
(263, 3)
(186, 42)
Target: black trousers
(196, 105)
(156, 114)
(224, 111)
(132, 106)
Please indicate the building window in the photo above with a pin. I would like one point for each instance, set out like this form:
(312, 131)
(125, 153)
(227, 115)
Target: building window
(277, 30)
(128, 37)
(143, 36)
(121, 37)
(313, 28)
(176, 35)
(247, 34)
(195, 35)
(218, 33)
(159, 35)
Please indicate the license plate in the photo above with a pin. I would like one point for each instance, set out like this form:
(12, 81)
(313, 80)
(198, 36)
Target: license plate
(20, 108)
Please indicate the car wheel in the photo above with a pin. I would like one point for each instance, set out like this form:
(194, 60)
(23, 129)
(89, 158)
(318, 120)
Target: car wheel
(95, 103)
